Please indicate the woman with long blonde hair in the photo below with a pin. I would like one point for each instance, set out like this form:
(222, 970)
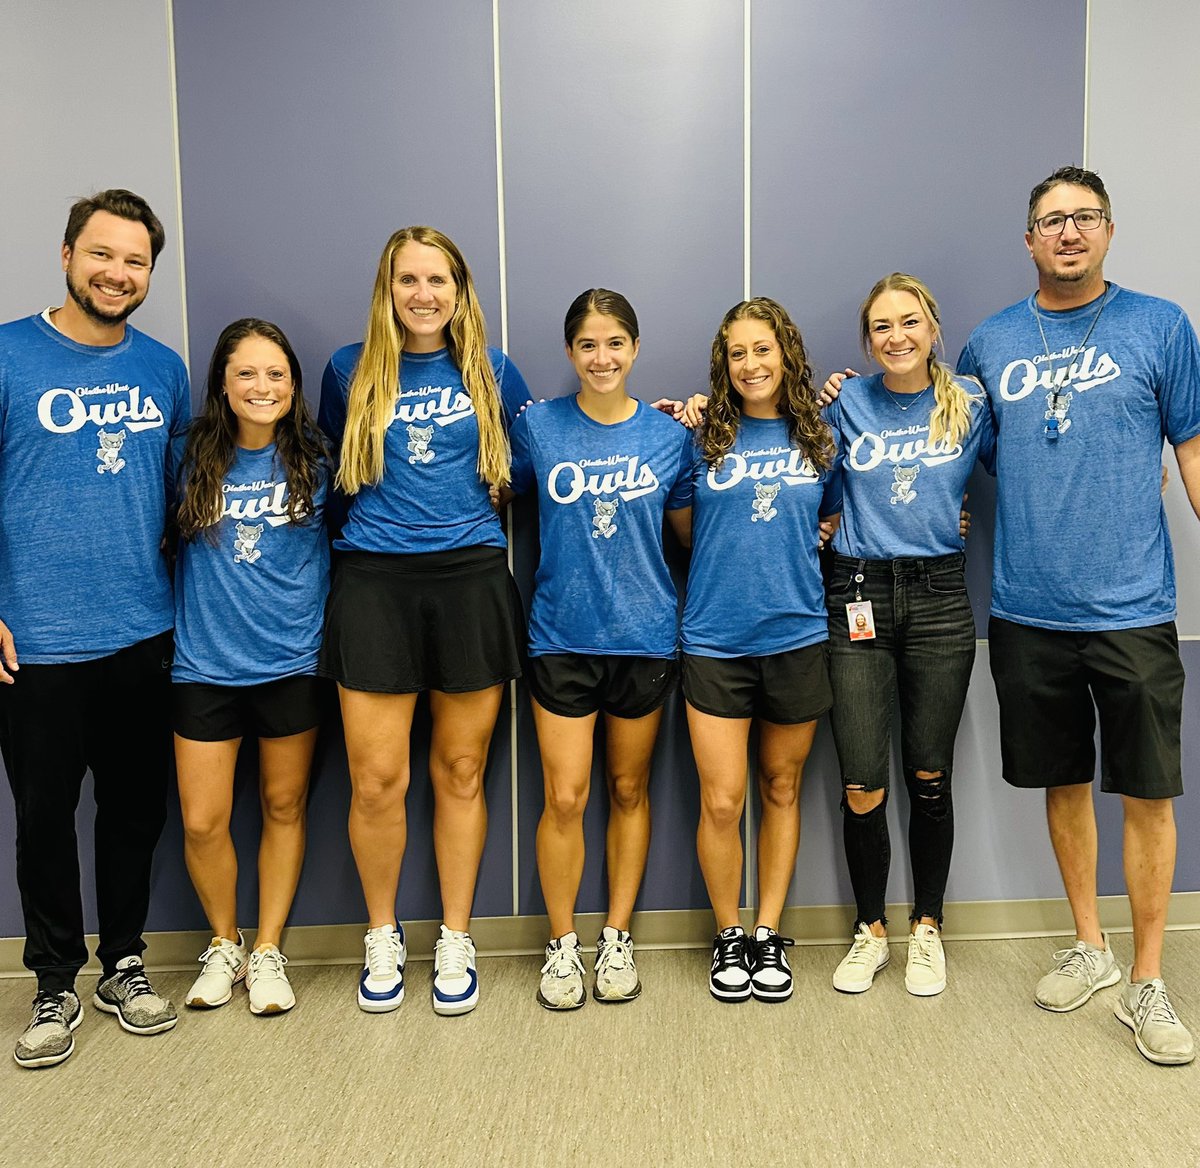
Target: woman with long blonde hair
(753, 640)
(422, 599)
(901, 630)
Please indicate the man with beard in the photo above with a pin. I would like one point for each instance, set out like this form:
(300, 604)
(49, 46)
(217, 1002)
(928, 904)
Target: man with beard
(90, 412)
(1086, 379)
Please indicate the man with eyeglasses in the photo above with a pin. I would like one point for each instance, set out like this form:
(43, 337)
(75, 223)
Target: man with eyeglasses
(1086, 379)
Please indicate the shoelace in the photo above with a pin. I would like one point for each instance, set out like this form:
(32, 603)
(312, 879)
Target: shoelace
(267, 963)
(860, 949)
(1153, 1005)
(383, 953)
(135, 981)
(1076, 962)
(563, 961)
(218, 955)
(49, 1007)
(451, 956)
(616, 954)
(732, 951)
(770, 951)
(920, 950)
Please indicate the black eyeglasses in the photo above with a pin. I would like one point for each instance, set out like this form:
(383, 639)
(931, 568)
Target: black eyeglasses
(1087, 219)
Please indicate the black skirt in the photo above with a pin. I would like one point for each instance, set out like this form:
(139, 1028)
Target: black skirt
(450, 621)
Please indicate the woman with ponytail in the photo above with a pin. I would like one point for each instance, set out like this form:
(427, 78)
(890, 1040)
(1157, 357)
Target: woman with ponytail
(422, 599)
(901, 629)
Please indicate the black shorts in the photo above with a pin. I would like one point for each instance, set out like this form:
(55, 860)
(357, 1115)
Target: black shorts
(450, 621)
(785, 688)
(1051, 683)
(273, 709)
(574, 685)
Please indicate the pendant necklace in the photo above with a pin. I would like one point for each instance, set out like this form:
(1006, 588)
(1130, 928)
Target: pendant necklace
(1057, 400)
(896, 398)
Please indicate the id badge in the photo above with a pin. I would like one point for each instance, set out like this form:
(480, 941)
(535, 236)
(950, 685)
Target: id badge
(861, 620)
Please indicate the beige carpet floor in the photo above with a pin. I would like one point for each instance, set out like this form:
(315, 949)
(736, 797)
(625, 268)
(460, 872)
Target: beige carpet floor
(976, 1077)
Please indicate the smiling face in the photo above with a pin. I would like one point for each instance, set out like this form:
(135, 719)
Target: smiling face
(259, 389)
(108, 268)
(603, 353)
(423, 295)
(902, 337)
(1073, 261)
(755, 363)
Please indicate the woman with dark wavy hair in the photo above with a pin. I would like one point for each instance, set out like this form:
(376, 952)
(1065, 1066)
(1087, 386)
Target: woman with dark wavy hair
(250, 589)
(754, 645)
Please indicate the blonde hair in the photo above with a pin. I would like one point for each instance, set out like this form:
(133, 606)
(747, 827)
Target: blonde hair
(951, 417)
(375, 385)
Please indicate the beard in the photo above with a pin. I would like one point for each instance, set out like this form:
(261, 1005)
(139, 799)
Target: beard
(89, 308)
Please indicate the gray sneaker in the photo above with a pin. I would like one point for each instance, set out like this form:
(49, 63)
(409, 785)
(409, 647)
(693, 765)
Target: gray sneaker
(1077, 974)
(1145, 1008)
(616, 974)
(561, 987)
(270, 990)
(129, 995)
(48, 1039)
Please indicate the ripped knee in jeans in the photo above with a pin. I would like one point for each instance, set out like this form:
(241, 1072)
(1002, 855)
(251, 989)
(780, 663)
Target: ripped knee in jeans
(860, 801)
(929, 792)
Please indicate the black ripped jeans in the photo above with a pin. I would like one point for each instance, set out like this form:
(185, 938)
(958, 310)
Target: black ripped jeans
(920, 661)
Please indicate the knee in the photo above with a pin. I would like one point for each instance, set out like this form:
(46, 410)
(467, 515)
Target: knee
(627, 792)
(459, 777)
(284, 810)
(780, 789)
(565, 804)
(377, 790)
(858, 800)
(203, 828)
(721, 810)
(929, 792)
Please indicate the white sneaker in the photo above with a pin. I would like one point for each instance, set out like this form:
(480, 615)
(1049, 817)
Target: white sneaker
(381, 985)
(1160, 1036)
(616, 972)
(925, 973)
(455, 980)
(1077, 974)
(868, 954)
(223, 965)
(270, 990)
(561, 987)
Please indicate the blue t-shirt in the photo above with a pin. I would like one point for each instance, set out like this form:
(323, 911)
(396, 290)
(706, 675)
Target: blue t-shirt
(901, 496)
(88, 438)
(602, 586)
(249, 607)
(754, 587)
(1081, 531)
(430, 498)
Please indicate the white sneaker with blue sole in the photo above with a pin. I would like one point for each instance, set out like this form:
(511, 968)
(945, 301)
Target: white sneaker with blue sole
(381, 985)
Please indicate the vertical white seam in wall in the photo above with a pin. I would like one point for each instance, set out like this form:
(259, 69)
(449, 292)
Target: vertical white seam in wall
(1087, 77)
(751, 849)
(174, 82)
(501, 247)
(746, 150)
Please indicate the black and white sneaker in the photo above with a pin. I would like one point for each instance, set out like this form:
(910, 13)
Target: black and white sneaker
(770, 974)
(729, 978)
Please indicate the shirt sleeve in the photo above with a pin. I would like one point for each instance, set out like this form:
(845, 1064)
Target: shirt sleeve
(986, 421)
(331, 415)
(522, 456)
(967, 365)
(1179, 393)
(514, 393)
(177, 436)
(680, 494)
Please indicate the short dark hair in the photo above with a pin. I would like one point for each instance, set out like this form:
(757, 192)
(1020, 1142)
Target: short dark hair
(604, 302)
(125, 205)
(1074, 176)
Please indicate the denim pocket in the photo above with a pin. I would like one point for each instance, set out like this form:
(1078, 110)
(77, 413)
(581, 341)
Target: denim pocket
(840, 582)
(950, 582)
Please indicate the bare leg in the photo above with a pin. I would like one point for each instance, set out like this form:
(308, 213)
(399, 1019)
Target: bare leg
(377, 728)
(462, 730)
(1072, 819)
(1149, 869)
(782, 753)
(719, 746)
(284, 765)
(630, 745)
(206, 800)
(566, 748)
